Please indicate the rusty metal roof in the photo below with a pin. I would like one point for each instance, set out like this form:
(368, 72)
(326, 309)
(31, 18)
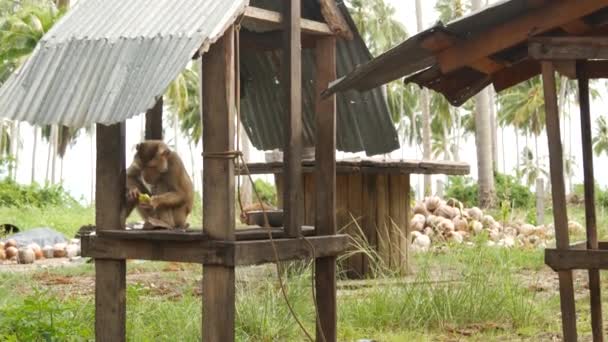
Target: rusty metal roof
(108, 60)
(419, 64)
(363, 119)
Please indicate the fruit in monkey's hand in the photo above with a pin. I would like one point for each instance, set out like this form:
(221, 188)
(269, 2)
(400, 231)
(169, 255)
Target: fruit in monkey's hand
(144, 198)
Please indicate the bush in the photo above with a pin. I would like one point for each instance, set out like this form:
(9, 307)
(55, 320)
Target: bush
(601, 195)
(16, 195)
(267, 192)
(508, 190)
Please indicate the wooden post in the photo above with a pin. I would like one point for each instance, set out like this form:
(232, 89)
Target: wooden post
(590, 218)
(292, 151)
(154, 121)
(325, 181)
(110, 275)
(566, 288)
(218, 177)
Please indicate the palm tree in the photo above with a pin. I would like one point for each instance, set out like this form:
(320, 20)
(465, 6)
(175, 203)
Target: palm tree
(600, 140)
(531, 168)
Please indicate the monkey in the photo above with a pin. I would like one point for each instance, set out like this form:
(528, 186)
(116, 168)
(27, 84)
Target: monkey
(159, 172)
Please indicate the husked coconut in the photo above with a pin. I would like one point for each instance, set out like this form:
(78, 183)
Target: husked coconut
(37, 250)
(428, 231)
(72, 251)
(10, 243)
(475, 213)
(446, 226)
(495, 235)
(540, 231)
(510, 231)
(48, 252)
(455, 237)
(433, 221)
(454, 203)
(1, 245)
(11, 252)
(420, 208)
(59, 250)
(476, 226)
(575, 227)
(526, 229)
(446, 211)
(2, 254)
(417, 223)
(432, 203)
(26, 256)
(460, 224)
(488, 221)
(508, 242)
(421, 241)
(534, 240)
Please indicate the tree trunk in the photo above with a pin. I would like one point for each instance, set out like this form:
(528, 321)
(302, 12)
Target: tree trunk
(55, 143)
(34, 149)
(446, 144)
(14, 151)
(494, 126)
(194, 178)
(426, 112)
(48, 159)
(61, 170)
(517, 152)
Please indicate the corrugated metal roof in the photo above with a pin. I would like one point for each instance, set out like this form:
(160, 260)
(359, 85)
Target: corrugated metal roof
(419, 65)
(363, 119)
(108, 60)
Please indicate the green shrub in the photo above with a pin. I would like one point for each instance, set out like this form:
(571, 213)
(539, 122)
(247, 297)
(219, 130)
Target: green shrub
(508, 190)
(464, 189)
(16, 195)
(601, 195)
(267, 191)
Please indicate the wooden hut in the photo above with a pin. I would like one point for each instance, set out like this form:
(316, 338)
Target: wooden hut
(503, 45)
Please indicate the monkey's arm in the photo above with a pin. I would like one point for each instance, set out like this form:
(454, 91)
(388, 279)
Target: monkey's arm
(181, 193)
(134, 179)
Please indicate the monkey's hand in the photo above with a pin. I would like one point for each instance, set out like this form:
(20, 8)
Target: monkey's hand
(154, 202)
(133, 195)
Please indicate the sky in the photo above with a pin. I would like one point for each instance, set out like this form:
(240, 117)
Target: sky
(79, 160)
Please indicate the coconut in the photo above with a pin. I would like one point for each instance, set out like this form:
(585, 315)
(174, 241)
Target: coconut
(446, 226)
(495, 235)
(526, 229)
(72, 251)
(2, 254)
(575, 227)
(510, 231)
(432, 203)
(476, 226)
(26, 256)
(10, 243)
(508, 242)
(37, 250)
(452, 202)
(420, 208)
(446, 211)
(433, 221)
(74, 241)
(428, 231)
(421, 242)
(455, 237)
(460, 224)
(48, 252)
(59, 250)
(418, 222)
(488, 221)
(475, 213)
(1, 245)
(11, 252)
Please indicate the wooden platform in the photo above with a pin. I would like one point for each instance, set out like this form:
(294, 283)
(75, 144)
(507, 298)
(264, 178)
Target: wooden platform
(196, 248)
(578, 257)
(196, 234)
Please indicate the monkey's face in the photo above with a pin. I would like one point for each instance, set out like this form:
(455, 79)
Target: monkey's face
(152, 157)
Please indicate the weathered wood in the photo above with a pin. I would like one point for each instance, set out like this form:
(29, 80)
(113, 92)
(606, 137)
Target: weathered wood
(270, 41)
(203, 251)
(576, 259)
(405, 237)
(534, 22)
(325, 180)
(292, 150)
(590, 217)
(110, 275)
(369, 227)
(568, 48)
(309, 199)
(218, 178)
(383, 220)
(335, 20)
(260, 252)
(370, 166)
(270, 20)
(195, 234)
(397, 224)
(516, 74)
(353, 212)
(576, 27)
(559, 198)
(154, 121)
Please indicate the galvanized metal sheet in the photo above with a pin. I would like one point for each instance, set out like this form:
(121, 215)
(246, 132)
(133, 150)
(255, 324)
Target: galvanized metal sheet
(108, 60)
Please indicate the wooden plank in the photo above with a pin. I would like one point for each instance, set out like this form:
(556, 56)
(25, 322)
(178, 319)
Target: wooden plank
(383, 220)
(518, 30)
(397, 199)
(405, 236)
(266, 20)
(354, 211)
(292, 150)
(559, 198)
(309, 199)
(260, 252)
(335, 20)
(110, 275)
(576, 27)
(568, 48)
(590, 217)
(369, 228)
(218, 100)
(154, 121)
(270, 41)
(203, 251)
(195, 234)
(576, 259)
(325, 179)
(516, 74)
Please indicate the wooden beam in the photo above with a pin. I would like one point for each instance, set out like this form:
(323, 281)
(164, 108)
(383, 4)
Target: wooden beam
(576, 27)
(260, 252)
(110, 275)
(325, 182)
(335, 20)
(292, 150)
(195, 235)
(271, 20)
(516, 31)
(154, 121)
(576, 259)
(566, 286)
(441, 40)
(590, 217)
(568, 48)
(270, 41)
(218, 100)
(516, 74)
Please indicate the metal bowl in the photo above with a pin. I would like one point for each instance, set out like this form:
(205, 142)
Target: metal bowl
(256, 218)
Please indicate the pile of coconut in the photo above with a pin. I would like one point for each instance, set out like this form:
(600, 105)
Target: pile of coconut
(11, 251)
(436, 221)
